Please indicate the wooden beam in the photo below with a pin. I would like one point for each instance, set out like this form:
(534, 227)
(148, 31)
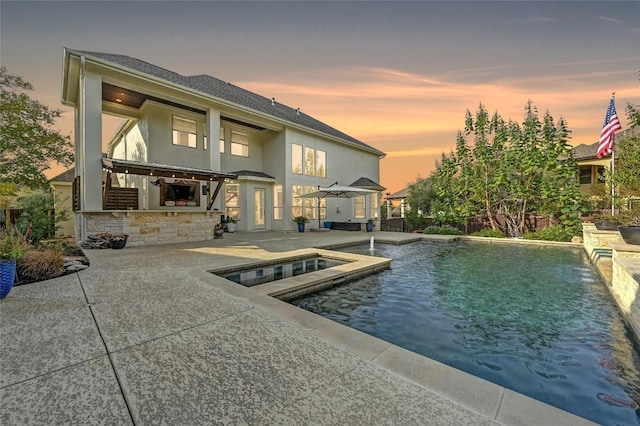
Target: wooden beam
(215, 195)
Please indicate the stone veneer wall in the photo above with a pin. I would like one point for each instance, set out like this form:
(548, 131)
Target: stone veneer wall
(621, 271)
(625, 283)
(155, 227)
(596, 240)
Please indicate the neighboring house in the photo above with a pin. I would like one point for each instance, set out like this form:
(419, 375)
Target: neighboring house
(591, 170)
(166, 176)
(62, 202)
(397, 205)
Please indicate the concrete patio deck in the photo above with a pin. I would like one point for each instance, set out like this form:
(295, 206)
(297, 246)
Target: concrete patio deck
(146, 335)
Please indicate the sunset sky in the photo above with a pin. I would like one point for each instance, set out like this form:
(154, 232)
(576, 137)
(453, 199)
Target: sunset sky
(396, 75)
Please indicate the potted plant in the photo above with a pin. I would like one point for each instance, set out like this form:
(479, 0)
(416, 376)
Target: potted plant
(218, 230)
(369, 225)
(12, 248)
(231, 224)
(629, 227)
(300, 220)
(118, 241)
(607, 222)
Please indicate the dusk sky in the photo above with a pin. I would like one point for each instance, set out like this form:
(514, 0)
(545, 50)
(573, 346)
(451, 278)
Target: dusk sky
(396, 75)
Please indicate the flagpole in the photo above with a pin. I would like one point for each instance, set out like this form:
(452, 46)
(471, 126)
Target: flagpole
(613, 166)
(606, 144)
(613, 186)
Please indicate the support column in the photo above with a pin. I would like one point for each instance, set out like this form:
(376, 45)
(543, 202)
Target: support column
(91, 141)
(213, 132)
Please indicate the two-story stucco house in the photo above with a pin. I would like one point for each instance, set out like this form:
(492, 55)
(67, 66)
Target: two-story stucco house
(193, 148)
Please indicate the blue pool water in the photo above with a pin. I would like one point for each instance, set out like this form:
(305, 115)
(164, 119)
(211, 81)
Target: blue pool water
(537, 320)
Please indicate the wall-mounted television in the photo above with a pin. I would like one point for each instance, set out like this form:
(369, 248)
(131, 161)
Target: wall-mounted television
(179, 193)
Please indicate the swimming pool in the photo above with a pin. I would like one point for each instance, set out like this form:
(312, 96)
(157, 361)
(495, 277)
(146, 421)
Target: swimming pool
(534, 319)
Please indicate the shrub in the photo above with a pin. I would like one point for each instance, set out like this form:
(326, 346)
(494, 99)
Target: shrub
(12, 244)
(67, 245)
(488, 232)
(37, 265)
(552, 233)
(442, 230)
(36, 220)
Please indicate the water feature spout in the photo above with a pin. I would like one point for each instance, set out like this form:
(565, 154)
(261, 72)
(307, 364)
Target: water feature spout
(371, 244)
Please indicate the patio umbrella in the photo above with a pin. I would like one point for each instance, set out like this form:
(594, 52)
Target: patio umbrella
(337, 191)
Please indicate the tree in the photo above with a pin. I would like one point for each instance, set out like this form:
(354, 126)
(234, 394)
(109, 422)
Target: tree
(28, 144)
(421, 195)
(509, 169)
(627, 168)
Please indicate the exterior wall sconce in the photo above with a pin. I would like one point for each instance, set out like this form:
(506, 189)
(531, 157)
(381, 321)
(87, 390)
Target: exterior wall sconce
(338, 209)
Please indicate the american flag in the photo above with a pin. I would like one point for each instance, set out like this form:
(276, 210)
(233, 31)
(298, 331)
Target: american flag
(610, 126)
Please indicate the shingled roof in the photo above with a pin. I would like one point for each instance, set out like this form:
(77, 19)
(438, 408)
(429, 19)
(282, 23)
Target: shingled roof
(66, 176)
(585, 152)
(366, 183)
(217, 88)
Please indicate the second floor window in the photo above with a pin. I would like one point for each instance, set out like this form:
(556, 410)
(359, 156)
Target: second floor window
(184, 132)
(321, 164)
(309, 161)
(296, 159)
(239, 144)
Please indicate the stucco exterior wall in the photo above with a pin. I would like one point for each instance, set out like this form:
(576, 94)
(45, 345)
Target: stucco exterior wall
(63, 203)
(344, 164)
(231, 163)
(274, 163)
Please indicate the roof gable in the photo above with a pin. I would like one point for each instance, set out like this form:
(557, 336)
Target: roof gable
(366, 183)
(66, 176)
(217, 88)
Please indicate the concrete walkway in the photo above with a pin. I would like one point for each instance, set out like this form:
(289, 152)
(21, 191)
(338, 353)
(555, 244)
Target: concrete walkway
(146, 336)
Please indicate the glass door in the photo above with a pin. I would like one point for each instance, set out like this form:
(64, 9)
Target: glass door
(258, 215)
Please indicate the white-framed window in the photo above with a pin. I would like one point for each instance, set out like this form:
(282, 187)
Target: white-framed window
(204, 137)
(359, 207)
(232, 200)
(321, 164)
(375, 206)
(296, 200)
(310, 210)
(296, 159)
(323, 208)
(307, 206)
(278, 202)
(309, 161)
(239, 144)
(184, 131)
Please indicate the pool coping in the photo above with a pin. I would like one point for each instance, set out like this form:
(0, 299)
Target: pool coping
(486, 398)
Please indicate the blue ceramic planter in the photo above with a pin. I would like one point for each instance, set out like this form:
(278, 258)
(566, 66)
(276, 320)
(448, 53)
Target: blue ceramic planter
(7, 276)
